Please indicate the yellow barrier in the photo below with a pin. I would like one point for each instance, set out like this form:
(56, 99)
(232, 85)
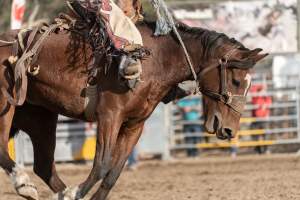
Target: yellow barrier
(88, 150)
(252, 132)
(235, 144)
(243, 133)
(247, 120)
(11, 149)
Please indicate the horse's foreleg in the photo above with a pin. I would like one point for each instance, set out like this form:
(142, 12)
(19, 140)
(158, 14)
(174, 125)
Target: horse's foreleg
(5, 124)
(20, 179)
(40, 124)
(127, 139)
(108, 128)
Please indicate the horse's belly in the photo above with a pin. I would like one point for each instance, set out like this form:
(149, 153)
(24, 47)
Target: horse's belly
(64, 100)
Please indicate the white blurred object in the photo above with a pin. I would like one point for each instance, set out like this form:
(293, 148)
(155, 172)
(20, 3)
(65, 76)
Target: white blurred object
(17, 13)
(286, 72)
(195, 14)
(288, 2)
(271, 24)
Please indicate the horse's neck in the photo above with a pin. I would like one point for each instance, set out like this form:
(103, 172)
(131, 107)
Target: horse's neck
(175, 68)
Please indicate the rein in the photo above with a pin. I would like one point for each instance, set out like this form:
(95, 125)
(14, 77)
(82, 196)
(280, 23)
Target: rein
(7, 43)
(168, 23)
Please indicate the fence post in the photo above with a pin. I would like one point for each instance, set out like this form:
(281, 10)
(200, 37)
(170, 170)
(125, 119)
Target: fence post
(298, 24)
(19, 148)
(298, 110)
(167, 154)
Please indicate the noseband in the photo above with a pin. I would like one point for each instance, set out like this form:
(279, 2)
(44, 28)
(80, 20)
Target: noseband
(234, 101)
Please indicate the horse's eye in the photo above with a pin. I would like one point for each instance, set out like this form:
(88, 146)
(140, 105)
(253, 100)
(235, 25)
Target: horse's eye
(236, 82)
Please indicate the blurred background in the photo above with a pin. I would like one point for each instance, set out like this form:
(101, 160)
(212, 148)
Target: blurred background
(269, 138)
(270, 123)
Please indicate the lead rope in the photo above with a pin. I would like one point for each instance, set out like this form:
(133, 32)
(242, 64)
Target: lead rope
(160, 5)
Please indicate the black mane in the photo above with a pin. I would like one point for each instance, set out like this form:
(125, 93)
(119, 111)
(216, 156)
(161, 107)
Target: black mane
(209, 38)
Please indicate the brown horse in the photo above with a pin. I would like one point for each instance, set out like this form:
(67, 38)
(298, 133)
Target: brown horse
(222, 66)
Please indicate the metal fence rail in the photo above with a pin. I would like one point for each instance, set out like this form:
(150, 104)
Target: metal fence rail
(76, 140)
(281, 127)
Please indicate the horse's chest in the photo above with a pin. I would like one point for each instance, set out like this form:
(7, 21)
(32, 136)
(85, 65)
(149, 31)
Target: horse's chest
(143, 107)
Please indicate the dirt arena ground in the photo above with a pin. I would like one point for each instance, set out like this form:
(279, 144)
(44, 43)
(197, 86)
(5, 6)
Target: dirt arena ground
(273, 177)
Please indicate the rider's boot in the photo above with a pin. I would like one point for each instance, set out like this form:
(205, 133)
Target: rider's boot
(130, 68)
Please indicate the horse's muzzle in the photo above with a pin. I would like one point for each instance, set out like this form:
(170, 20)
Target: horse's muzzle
(225, 133)
(215, 126)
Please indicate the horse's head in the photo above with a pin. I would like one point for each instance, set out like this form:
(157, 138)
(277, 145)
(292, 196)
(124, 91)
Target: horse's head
(224, 83)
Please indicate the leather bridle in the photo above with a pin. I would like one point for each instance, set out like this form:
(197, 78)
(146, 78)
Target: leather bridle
(234, 101)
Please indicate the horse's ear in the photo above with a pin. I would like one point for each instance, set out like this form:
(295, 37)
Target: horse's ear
(248, 62)
(255, 52)
(249, 54)
(259, 57)
(253, 55)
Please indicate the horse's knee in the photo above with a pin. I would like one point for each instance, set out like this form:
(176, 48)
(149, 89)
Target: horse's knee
(102, 164)
(104, 169)
(108, 183)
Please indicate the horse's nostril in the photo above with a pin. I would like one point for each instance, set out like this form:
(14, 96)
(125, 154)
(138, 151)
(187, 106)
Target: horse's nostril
(228, 132)
(216, 123)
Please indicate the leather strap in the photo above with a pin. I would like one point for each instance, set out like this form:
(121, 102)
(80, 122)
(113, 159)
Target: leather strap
(24, 62)
(235, 102)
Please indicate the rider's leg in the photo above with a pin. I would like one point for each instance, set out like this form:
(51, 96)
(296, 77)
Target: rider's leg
(40, 124)
(125, 37)
(127, 139)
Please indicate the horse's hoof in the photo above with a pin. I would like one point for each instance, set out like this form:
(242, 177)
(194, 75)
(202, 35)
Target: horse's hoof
(68, 194)
(23, 185)
(28, 191)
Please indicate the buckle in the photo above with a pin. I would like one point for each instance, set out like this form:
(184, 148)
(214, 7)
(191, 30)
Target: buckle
(223, 61)
(228, 97)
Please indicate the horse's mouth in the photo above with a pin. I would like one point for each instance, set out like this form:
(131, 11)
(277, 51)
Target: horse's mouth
(220, 135)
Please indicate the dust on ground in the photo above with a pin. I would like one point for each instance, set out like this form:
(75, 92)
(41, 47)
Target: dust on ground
(268, 177)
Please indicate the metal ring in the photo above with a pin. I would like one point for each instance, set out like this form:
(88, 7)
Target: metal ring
(223, 61)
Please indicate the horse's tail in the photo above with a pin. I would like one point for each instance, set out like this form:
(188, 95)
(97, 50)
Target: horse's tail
(21, 90)
(4, 90)
(18, 88)
(9, 97)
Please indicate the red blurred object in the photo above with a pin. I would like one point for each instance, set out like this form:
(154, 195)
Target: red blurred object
(262, 101)
(17, 13)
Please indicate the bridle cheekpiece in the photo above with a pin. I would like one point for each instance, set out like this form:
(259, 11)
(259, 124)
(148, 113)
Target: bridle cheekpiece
(234, 101)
